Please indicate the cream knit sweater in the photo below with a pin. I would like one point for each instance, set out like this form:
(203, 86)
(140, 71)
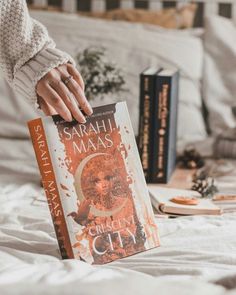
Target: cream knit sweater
(27, 53)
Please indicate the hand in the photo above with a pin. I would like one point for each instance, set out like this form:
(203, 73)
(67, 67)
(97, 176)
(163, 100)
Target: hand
(63, 98)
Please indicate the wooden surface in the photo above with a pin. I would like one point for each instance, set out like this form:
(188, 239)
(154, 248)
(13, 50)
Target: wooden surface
(181, 178)
(222, 170)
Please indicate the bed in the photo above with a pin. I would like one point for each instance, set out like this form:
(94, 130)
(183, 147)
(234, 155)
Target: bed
(195, 252)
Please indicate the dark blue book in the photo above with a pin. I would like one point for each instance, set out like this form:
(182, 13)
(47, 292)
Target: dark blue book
(147, 97)
(164, 130)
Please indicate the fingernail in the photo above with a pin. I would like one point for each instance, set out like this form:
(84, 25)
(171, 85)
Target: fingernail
(83, 120)
(90, 110)
(69, 118)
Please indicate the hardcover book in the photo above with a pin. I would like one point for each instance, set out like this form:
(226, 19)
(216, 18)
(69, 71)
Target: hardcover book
(95, 186)
(161, 198)
(226, 201)
(146, 104)
(165, 112)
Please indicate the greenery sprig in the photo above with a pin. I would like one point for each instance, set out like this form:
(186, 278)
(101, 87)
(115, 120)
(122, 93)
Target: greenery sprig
(101, 76)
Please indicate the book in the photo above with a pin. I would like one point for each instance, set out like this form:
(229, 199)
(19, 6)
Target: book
(226, 201)
(164, 126)
(94, 184)
(146, 104)
(161, 200)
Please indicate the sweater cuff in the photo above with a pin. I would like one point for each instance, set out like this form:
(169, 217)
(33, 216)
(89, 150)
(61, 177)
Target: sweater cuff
(27, 77)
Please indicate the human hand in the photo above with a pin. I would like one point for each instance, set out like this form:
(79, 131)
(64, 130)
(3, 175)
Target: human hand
(61, 91)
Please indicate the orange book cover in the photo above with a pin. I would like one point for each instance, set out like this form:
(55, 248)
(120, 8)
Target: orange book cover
(95, 186)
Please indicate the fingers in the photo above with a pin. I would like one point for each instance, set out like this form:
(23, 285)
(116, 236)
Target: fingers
(69, 101)
(51, 97)
(78, 93)
(55, 96)
(76, 75)
(45, 107)
(76, 86)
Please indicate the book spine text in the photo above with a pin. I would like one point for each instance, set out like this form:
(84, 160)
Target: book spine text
(161, 131)
(146, 89)
(50, 187)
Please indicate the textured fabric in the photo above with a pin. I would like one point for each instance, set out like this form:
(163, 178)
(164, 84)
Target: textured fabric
(194, 251)
(27, 52)
(219, 87)
(225, 144)
(15, 111)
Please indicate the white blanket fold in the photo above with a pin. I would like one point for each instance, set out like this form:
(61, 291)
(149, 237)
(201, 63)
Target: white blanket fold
(194, 250)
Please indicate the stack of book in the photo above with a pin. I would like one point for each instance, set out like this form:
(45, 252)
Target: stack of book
(158, 123)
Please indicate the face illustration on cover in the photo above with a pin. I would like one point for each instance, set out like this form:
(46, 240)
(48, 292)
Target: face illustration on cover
(103, 183)
(98, 187)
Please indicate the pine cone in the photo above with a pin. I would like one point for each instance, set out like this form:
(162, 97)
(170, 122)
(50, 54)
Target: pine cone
(191, 159)
(206, 187)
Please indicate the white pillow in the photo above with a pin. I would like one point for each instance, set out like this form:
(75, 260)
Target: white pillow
(134, 48)
(219, 81)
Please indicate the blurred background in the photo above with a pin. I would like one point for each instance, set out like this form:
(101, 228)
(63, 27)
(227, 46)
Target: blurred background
(197, 38)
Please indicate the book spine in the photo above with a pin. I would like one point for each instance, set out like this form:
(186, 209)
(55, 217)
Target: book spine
(161, 131)
(173, 122)
(144, 142)
(50, 186)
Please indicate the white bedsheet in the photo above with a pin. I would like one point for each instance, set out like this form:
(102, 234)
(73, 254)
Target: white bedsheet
(194, 250)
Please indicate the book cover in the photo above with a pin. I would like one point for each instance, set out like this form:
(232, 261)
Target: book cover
(165, 112)
(146, 104)
(95, 187)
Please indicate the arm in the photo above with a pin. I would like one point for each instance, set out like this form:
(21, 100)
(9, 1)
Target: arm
(35, 67)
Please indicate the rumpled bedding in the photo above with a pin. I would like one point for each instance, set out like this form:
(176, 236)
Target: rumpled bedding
(194, 253)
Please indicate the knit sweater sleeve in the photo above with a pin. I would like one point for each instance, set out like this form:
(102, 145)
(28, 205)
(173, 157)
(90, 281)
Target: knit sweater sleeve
(27, 52)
